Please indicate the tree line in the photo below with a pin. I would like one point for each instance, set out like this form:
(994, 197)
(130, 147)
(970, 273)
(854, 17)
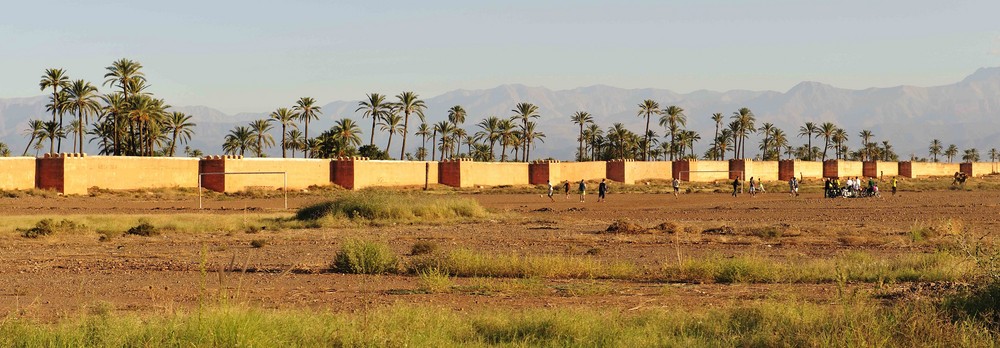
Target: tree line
(131, 121)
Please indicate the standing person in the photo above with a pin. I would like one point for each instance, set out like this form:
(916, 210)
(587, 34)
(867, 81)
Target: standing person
(583, 191)
(736, 186)
(826, 188)
(677, 186)
(791, 186)
(760, 186)
(552, 190)
(894, 186)
(566, 187)
(602, 190)
(753, 189)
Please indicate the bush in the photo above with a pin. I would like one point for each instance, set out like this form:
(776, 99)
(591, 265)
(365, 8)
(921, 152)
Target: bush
(258, 243)
(393, 206)
(144, 228)
(423, 247)
(365, 257)
(47, 227)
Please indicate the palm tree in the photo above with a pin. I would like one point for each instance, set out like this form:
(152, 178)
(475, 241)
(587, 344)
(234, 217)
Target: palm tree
(581, 118)
(951, 152)
(690, 137)
(506, 129)
(144, 117)
(409, 103)
(286, 119)
(745, 125)
(490, 132)
(423, 131)
(826, 130)
(307, 110)
(717, 117)
(456, 115)
(115, 108)
(83, 101)
(56, 79)
(181, 129)
(866, 137)
(808, 130)
(734, 131)
(647, 109)
(525, 112)
(778, 141)
(444, 129)
(127, 75)
(530, 135)
(971, 155)
(839, 138)
(673, 117)
(993, 154)
(766, 129)
(238, 141)
(593, 134)
(346, 133)
(376, 108)
(262, 139)
(34, 130)
(935, 149)
(391, 124)
(294, 140)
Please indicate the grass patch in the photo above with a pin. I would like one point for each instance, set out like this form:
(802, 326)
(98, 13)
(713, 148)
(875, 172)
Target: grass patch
(433, 281)
(759, 324)
(855, 266)
(48, 227)
(377, 206)
(468, 263)
(144, 229)
(183, 223)
(365, 257)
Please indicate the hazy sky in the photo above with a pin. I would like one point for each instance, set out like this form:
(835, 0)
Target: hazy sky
(259, 55)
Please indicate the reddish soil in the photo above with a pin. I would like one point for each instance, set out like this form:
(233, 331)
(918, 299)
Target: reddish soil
(63, 275)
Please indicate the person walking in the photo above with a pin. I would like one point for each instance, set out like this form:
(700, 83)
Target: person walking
(602, 190)
(760, 186)
(566, 188)
(793, 187)
(677, 186)
(736, 186)
(753, 189)
(894, 186)
(583, 191)
(552, 190)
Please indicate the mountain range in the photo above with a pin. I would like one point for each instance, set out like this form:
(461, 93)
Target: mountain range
(966, 113)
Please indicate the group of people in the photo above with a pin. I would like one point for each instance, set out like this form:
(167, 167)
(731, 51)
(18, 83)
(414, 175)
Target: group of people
(755, 186)
(602, 190)
(854, 187)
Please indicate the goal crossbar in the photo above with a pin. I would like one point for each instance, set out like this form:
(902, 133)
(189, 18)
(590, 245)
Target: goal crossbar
(284, 182)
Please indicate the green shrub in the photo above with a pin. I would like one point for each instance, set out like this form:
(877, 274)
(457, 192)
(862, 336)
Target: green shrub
(423, 248)
(376, 205)
(144, 228)
(365, 257)
(47, 227)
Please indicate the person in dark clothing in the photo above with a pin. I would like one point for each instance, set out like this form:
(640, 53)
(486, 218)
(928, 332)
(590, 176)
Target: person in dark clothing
(826, 188)
(583, 191)
(566, 188)
(602, 190)
(736, 186)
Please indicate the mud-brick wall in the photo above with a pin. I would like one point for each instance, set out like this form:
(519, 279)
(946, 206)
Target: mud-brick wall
(842, 169)
(800, 169)
(927, 169)
(465, 173)
(763, 170)
(393, 173)
(982, 168)
(631, 172)
(300, 173)
(879, 169)
(76, 173)
(555, 171)
(17, 173)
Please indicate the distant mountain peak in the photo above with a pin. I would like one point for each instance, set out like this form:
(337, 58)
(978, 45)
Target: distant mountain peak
(984, 74)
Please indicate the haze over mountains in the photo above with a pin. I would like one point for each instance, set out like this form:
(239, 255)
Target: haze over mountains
(966, 113)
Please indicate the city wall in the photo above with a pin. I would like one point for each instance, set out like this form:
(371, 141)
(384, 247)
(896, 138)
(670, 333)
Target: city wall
(466, 173)
(76, 173)
(554, 171)
(17, 173)
(927, 169)
(631, 172)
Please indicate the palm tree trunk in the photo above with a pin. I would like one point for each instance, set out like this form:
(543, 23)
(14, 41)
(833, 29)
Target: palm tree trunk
(406, 129)
(305, 151)
(434, 145)
(372, 140)
(389, 144)
(59, 145)
(79, 129)
(283, 142)
(645, 147)
(580, 154)
(29, 143)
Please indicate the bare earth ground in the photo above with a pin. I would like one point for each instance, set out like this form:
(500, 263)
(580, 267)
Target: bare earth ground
(64, 275)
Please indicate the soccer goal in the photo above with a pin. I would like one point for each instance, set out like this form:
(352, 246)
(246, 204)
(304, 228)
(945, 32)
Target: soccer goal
(284, 182)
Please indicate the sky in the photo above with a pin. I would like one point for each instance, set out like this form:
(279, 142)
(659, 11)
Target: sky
(254, 56)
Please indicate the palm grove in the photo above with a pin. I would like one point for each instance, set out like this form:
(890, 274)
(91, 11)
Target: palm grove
(130, 121)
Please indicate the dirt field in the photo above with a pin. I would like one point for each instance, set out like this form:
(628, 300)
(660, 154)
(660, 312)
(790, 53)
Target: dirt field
(63, 275)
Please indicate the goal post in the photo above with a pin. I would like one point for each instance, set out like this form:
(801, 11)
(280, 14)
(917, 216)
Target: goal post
(284, 182)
